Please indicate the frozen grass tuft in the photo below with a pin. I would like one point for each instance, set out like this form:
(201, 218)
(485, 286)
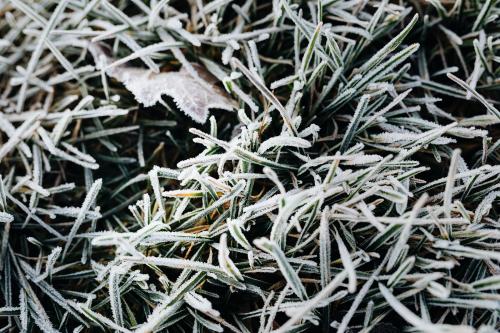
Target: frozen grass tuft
(249, 166)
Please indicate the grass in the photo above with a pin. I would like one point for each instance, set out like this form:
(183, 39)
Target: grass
(249, 166)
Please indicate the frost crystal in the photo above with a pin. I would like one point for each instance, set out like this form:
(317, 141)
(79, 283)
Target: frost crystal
(194, 96)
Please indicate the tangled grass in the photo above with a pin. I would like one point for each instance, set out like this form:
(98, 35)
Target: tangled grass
(354, 186)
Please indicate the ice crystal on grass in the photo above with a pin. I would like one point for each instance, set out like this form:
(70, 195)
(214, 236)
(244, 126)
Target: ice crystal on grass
(354, 190)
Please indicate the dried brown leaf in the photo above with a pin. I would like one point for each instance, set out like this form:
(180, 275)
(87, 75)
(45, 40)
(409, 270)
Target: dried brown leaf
(193, 95)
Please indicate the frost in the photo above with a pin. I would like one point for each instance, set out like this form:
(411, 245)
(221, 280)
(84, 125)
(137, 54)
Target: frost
(6, 218)
(291, 207)
(226, 264)
(484, 207)
(87, 203)
(194, 96)
(283, 141)
(200, 303)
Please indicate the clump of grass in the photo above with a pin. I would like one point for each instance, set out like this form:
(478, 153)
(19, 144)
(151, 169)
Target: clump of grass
(354, 187)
